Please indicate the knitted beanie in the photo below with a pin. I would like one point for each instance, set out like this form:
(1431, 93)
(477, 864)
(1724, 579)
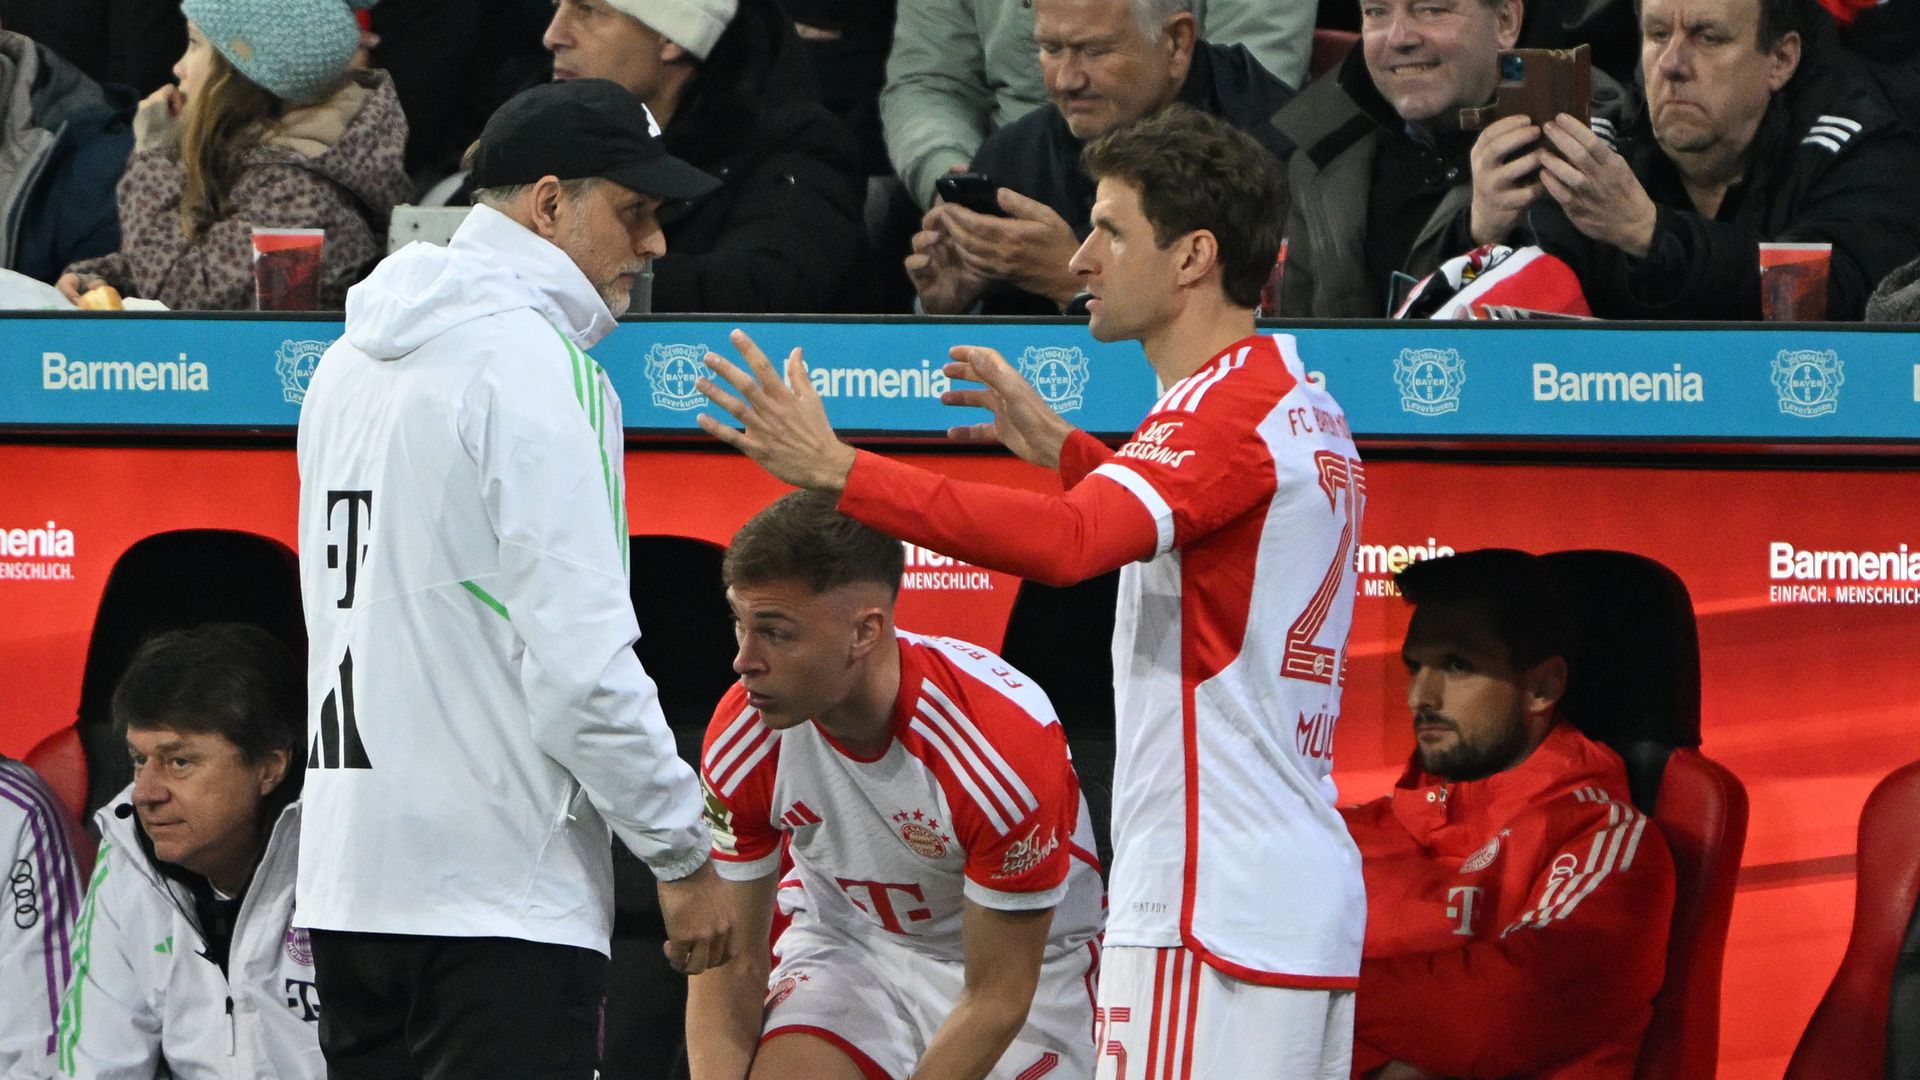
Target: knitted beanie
(296, 49)
(694, 25)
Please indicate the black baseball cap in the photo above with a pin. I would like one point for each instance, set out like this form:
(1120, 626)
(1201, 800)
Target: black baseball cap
(580, 128)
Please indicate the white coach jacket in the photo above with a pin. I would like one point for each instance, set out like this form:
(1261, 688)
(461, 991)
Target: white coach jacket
(476, 713)
(145, 1002)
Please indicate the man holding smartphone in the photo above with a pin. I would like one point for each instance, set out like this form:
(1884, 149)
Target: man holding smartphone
(1106, 63)
(1385, 178)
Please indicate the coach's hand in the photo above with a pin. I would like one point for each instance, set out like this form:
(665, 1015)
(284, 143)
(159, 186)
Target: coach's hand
(699, 917)
(785, 424)
(1022, 421)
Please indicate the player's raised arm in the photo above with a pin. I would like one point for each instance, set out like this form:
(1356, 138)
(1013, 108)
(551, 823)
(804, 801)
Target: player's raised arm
(1003, 952)
(724, 1003)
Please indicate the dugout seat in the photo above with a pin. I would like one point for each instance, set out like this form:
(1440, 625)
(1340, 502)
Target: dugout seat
(1635, 686)
(60, 760)
(1867, 1026)
(168, 581)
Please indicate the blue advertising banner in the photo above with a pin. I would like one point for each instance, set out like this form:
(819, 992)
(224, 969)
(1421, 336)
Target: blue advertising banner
(1401, 381)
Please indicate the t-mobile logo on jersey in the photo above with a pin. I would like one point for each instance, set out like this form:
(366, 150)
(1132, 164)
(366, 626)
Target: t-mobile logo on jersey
(1467, 897)
(879, 894)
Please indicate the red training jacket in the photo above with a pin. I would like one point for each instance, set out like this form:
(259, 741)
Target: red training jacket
(1517, 924)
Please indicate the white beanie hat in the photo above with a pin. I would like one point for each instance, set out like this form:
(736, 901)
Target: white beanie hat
(694, 25)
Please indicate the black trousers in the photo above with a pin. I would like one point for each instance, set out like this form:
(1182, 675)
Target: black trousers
(406, 1007)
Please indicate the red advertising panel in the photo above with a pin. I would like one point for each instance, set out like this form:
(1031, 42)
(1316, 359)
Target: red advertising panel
(1806, 583)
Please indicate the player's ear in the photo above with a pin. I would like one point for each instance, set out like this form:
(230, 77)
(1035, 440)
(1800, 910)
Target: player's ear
(1199, 254)
(870, 630)
(1546, 684)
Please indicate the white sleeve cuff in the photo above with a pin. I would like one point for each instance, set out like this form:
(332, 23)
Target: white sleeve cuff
(764, 866)
(1149, 498)
(1014, 901)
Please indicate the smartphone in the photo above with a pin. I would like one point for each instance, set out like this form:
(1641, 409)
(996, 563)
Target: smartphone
(975, 191)
(1538, 84)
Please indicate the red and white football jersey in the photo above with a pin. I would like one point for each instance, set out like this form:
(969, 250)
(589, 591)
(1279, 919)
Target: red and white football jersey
(975, 797)
(1229, 651)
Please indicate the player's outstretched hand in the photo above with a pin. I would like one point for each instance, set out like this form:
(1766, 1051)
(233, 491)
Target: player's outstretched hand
(699, 917)
(1022, 421)
(783, 424)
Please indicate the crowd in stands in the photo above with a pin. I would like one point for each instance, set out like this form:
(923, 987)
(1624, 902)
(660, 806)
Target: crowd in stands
(140, 145)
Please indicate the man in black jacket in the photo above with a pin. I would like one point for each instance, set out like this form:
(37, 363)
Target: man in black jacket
(1105, 63)
(727, 82)
(1745, 139)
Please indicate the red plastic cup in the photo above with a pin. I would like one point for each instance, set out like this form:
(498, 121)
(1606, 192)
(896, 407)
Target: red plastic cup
(286, 269)
(1793, 282)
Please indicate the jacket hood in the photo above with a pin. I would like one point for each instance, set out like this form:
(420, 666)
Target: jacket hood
(492, 265)
(357, 138)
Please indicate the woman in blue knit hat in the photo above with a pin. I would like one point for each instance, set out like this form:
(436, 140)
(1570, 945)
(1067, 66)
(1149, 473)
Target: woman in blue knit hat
(270, 126)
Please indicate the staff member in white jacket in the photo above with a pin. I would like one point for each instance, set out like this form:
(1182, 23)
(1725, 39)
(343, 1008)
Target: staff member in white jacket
(186, 962)
(477, 716)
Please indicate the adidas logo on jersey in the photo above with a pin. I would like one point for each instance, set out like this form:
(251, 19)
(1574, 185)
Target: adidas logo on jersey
(800, 815)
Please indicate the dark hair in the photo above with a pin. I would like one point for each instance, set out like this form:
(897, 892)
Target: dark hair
(802, 537)
(1196, 171)
(1520, 594)
(1778, 18)
(229, 679)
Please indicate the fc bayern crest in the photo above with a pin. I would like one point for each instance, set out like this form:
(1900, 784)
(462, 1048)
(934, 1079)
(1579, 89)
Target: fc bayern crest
(672, 371)
(922, 834)
(1059, 372)
(1430, 380)
(295, 363)
(1808, 381)
(299, 945)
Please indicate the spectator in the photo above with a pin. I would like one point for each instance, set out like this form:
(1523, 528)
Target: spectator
(1384, 168)
(938, 768)
(123, 42)
(64, 141)
(962, 69)
(1107, 63)
(482, 728)
(848, 42)
(267, 127)
(1509, 872)
(1746, 138)
(783, 233)
(186, 960)
(43, 894)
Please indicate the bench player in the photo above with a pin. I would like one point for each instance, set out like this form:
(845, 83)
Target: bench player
(945, 903)
(1234, 932)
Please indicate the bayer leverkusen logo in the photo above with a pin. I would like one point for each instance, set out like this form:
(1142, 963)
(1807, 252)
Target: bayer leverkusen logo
(1809, 381)
(1430, 380)
(672, 371)
(295, 363)
(1059, 372)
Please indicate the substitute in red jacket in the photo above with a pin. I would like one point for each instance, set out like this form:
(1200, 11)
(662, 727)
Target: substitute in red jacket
(1517, 903)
